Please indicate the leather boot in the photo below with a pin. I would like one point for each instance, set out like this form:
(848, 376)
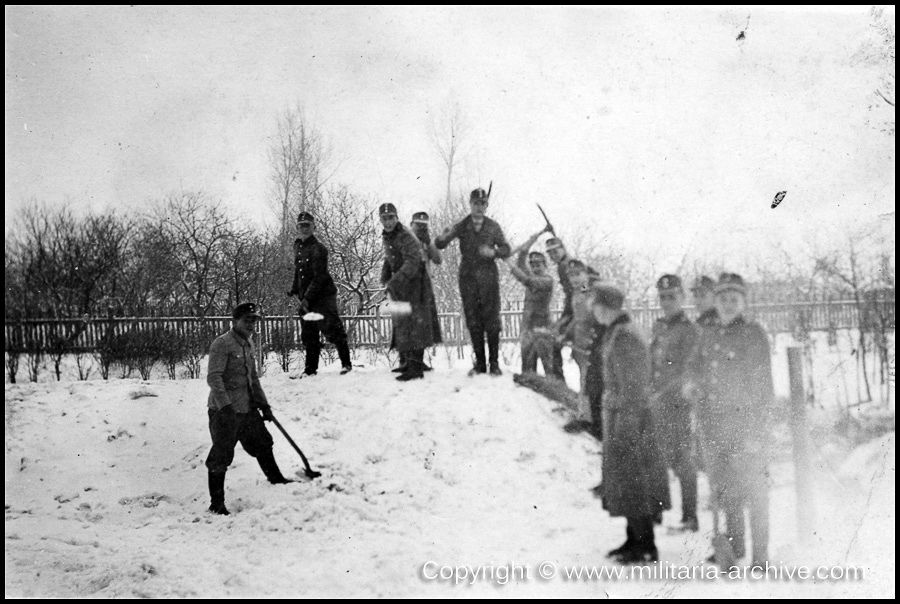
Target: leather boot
(267, 463)
(414, 366)
(478, 349)
(493, 339)
(217, 493)
(401, 367)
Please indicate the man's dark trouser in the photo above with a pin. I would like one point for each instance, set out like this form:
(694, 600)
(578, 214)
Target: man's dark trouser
(227, 429)
(676, 439)
(331, 326)
(740, 479)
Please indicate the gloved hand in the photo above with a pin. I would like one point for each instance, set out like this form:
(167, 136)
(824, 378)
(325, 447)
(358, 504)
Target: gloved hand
(267, 413)
(304, 306)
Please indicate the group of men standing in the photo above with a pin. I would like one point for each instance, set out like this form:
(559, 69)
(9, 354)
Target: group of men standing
(696, 395)
(699, 391)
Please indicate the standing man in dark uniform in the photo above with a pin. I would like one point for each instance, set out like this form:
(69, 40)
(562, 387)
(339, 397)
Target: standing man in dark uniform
(735, 370)
(674, 340)
(237, 406)
(404, 276)
(635, 482)
(315, 288)
(481, 243)
(535, 337)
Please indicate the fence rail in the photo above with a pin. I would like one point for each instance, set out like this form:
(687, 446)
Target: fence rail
(85, 334)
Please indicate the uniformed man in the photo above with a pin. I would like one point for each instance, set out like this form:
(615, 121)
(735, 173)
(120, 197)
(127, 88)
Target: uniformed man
(535, 338)
(704, 300)
(736, 382)
(481, 243)
(674, 340)
(237, 406)
(564, 268)
(405, 278)
(635, 482)
(430, 253)
(315, 288)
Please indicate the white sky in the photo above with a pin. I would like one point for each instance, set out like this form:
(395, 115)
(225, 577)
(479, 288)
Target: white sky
(655, 125)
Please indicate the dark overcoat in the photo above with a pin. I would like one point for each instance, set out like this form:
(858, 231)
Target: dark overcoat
(404, 275)
(735, 377)
(635, 479)
(674, 341)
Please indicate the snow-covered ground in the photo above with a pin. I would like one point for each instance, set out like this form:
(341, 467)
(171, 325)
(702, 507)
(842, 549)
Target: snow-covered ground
(106, 492)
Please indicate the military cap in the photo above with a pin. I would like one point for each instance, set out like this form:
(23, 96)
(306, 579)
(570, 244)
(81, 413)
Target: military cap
(247, 309)
(608, 295)
(552, 244)
(703, 283)
(731, 282)
(479, 194)
(669, 283)
(536, 256)
(305, 217)
(387, 208)
(420, 217)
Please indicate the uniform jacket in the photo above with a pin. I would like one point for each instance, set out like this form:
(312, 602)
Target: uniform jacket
(404, 276)
(312, 280)
(472, 264)
(635, 479)
(232, 375)
(479, 279)
(735, 377)
(538, 293)
(673, 344)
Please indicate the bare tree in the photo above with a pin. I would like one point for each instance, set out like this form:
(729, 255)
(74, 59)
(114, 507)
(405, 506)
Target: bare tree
(198, 231)
(859, 268)
(448, 134)
(301, 167)
(346, 223)
(878, 51)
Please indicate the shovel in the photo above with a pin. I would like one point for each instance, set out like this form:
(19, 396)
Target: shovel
(309, 471)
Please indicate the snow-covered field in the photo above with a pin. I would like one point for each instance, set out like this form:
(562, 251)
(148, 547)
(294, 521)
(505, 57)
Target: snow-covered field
(106, 492)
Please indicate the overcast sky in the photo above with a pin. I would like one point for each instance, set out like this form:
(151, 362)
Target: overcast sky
(658, 126)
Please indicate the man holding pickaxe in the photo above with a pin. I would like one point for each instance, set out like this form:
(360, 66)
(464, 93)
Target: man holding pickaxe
(481, 243)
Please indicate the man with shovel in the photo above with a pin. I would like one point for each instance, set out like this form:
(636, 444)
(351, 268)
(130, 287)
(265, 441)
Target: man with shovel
(237, 406)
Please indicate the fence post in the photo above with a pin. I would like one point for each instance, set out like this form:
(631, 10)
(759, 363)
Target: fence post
(802, 467)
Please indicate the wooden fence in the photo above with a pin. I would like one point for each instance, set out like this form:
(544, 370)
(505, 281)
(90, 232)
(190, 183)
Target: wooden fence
(375, 330)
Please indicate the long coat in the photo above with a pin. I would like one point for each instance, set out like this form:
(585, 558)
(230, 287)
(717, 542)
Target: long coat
(735, 377)
(430, 253)
(635, 479)
(674, 341)
(404, 276)
(479, 279)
